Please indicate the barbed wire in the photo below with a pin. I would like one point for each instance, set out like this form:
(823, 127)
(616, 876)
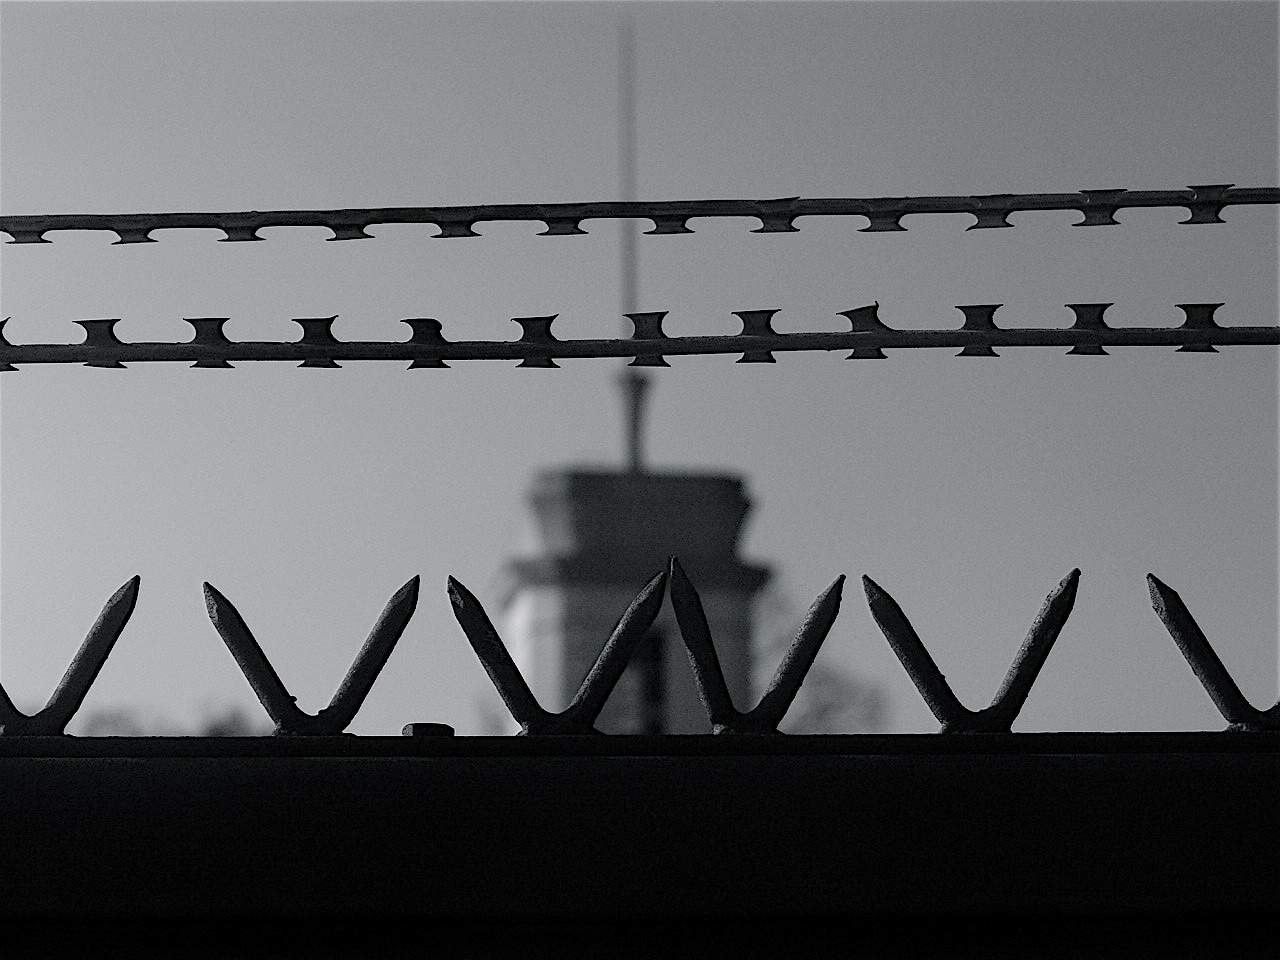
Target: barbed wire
(757, 342)
(1204, 203)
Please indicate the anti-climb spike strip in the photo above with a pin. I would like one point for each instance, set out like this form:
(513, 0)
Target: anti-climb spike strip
(1204, 662)
(868, 337)
(1203, 203)
(264, 680)
(80, 674)
(580, 716)
(933, 687)
(769, 712)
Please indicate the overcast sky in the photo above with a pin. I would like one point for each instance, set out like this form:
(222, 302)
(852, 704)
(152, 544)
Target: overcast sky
(967, 488)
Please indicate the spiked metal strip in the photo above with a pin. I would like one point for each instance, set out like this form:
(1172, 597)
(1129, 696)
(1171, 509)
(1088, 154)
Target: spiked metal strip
(1203, 203)
(1205, 664)
(80, 674)
(768, 713)
(580, 716)
(933, 687)
(867, 338)
(277, 701)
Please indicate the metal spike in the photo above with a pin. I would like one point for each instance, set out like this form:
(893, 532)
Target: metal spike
(617, 652)
(920, 666)
(773, 706)
(88, 661)
(255, 666)
(372, 657)
(1204, 661)
(1009, 700)
(692, 621)
(495, 659)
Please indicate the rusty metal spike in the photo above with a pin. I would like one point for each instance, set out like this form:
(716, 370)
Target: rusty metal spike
(920, 666)
(255, 666)
(692, 621)
(617, 652)
(495, 659)
(372, 658)
(773, 706)
(85, 665)
(1046, 627)
(1205, 663)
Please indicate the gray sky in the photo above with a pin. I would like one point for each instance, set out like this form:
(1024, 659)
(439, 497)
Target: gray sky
(967, 488)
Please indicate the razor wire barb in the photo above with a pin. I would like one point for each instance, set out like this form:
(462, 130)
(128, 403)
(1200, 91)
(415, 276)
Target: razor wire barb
(1204, 203)
(867, 338)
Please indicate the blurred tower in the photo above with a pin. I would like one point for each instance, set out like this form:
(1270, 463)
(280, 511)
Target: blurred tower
(601, 534)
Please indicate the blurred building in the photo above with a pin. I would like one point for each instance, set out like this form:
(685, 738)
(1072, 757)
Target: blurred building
(600, 536)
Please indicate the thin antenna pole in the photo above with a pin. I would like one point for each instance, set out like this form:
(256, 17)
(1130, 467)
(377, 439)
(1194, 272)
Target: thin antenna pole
(627, 158)
(634, 384)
